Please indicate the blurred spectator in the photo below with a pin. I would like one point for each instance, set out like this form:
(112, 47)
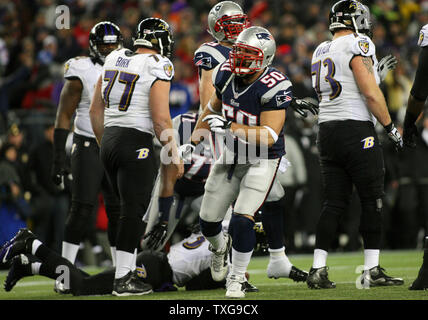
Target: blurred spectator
(11, 216)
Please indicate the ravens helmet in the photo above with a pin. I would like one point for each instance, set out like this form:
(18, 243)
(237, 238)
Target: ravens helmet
(155, 34)
(253, 50)
(103, 33)
(226, 21)
(352, 15)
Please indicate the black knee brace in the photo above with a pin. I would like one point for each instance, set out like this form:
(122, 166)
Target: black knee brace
(329, 220)
(210, 229)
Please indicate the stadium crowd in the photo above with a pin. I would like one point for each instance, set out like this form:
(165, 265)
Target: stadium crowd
(33, 51)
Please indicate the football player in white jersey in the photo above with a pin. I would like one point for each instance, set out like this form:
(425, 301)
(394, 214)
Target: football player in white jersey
(130, 106)
(186, 265)
(226, 20)
(350, 154)
(417, 98)
(88, 178)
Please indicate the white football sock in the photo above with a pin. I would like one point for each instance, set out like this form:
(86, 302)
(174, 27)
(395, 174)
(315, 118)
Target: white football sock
(371, 258)
(279, 264)
(218, 241)
(134, 262)
(113, 255)
(124, 261)
(35, 245)
(69, 251)
(240, 262)
(320, 258)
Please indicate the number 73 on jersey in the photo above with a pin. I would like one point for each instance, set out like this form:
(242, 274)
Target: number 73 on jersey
(328, 68)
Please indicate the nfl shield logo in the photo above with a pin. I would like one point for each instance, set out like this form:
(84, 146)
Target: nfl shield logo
(364, 46)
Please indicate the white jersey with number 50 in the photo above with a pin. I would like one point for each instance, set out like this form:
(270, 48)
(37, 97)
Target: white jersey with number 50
(334, 82)
(127, 78)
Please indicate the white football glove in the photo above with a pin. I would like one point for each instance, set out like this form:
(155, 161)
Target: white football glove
(385, 65)
(394, 136)
(217, 123)
(185, 152)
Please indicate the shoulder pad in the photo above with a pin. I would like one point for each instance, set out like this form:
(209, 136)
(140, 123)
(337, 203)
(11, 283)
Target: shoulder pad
(221, 74)
(74, 67)
(161, 67)
(362, 45)
(280, 93)
(423, 36)
(208, 55)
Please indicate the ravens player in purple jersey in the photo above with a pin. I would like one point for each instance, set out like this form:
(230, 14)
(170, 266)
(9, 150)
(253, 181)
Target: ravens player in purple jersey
(252, 97)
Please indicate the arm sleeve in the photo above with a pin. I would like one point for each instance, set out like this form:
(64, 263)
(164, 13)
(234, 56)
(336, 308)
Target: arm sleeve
(420, 89)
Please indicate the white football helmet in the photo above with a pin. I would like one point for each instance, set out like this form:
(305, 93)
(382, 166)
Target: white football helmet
(253, 51)
(226, 21)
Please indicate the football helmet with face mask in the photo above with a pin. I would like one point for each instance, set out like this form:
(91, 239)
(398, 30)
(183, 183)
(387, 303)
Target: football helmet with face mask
(253, 51)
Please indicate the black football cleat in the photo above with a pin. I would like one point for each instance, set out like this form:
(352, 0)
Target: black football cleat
(376, 277)
(318, 279)
(248, 287)
(421, 282)
(131, 285)
(16, 245)
(20, 268)
(298, 275)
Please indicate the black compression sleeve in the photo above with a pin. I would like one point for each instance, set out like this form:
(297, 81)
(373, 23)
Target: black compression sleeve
(420, 89)
(60, 138)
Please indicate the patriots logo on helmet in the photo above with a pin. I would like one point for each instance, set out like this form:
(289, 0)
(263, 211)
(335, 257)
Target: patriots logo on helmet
(281, 99)
(364, 46)
(264, 36)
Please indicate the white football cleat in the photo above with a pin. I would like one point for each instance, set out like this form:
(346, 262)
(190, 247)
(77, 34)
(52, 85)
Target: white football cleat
(219, 260)
(235, 287)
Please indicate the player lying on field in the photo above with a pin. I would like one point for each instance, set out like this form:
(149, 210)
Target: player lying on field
(186, 265)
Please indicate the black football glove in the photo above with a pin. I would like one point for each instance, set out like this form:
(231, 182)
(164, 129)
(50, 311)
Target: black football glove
(157, 235)
(60, 168)
(302, 106)
(394, 136)
(410, 131)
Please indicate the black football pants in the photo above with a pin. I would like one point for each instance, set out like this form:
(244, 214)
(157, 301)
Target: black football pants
(350, 154)
(132, 172)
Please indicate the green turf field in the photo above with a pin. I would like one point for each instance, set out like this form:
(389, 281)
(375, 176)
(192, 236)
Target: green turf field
(343, 266)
